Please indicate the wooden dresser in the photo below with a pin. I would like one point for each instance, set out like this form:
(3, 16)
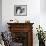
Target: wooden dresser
(22, 33)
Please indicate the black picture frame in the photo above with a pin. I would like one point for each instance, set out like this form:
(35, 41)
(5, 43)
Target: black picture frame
(20, 10)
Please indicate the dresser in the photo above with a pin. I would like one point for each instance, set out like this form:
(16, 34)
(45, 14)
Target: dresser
(22, 33)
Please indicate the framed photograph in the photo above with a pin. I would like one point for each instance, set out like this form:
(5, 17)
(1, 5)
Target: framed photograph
(20, 10)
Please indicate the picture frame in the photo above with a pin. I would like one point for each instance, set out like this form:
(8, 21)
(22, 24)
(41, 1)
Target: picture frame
(20, 10)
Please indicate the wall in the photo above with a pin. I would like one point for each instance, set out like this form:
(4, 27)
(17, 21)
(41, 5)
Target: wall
(33, 10)
(0, 15)
(43, 6)
(43, 14)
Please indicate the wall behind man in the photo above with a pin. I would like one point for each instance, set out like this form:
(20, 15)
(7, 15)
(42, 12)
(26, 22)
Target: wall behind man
(33, 10)
(0, 15)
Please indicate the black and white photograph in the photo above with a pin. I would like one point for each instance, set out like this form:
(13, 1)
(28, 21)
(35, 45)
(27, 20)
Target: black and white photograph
(20, 10)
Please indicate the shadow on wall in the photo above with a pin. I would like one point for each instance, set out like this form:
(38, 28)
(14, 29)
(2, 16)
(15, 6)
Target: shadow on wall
(0, 15)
